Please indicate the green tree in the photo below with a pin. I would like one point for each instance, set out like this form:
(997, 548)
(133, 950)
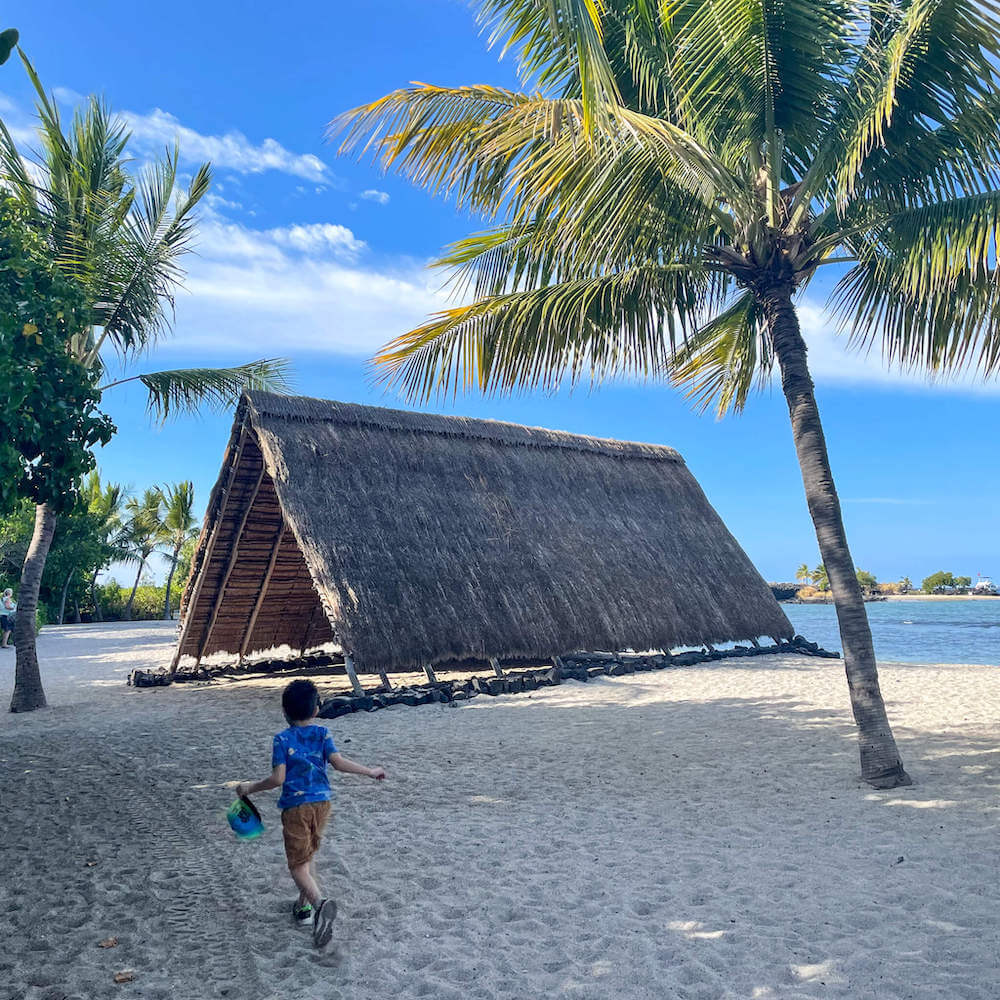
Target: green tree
(803, 573)
(178, 526)
(963, 582)
(48, 412)
(867, 581)
(905, 585)
(105, 502)
(820, 579)
(123, 239)
(936, 581)
(144, 534)
(674, 174)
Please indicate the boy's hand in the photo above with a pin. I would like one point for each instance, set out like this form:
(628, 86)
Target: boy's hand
(378, 773)
(241, 790)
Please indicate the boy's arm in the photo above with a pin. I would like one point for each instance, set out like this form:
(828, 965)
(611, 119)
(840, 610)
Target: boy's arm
(341, 763)
(274, 780)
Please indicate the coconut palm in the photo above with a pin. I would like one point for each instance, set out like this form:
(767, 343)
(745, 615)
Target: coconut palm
(105, 502)
(143, 535)
(178, 524)
(124, 239)
(674, 174)
(803, 573)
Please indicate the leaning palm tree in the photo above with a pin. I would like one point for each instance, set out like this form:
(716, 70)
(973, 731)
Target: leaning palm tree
(803, 573)
(177, 525)
(672, 177)
(123, 238)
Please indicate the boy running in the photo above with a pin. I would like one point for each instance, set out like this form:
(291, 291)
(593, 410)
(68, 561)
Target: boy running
(299, 758)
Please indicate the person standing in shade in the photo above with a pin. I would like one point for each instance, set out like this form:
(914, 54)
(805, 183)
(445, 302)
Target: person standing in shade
(8, 609)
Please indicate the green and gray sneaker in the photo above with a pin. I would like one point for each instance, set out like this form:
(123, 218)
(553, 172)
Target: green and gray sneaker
(326, 913)
(302, 915)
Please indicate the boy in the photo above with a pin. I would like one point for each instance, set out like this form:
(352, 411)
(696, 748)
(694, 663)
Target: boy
(299, 760)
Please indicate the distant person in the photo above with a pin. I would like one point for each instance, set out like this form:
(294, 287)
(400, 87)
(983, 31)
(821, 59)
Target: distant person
(8, 611)
(299, 758)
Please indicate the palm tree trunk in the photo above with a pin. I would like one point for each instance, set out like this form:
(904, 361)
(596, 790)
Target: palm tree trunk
(28, 694)
(170, 576)
(880, 762)
(98, 616)
(62, 599)
(127, 613)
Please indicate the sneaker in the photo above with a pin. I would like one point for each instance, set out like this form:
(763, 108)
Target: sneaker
(326, 913)
(302, 915)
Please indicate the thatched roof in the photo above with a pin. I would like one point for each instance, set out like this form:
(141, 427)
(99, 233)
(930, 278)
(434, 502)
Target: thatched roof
(414, 539)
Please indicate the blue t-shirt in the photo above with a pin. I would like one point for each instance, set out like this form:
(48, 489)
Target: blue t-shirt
(304, 750)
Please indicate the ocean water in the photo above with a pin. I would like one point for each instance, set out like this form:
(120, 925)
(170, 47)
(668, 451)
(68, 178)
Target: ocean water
(914, 631)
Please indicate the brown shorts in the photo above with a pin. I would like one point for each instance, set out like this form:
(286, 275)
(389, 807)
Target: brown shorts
(303, 828)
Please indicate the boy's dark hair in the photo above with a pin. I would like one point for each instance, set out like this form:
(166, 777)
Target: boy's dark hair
(300, 700)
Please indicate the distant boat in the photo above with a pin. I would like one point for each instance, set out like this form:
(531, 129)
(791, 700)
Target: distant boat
(985, 587)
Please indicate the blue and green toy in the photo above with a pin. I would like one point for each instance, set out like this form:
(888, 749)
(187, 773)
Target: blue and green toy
(245, 819)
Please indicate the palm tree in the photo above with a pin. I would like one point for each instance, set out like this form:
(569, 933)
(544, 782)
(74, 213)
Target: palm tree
(178, 524)
(672, 176)
(144, 534)
(124, 239)
(105, 502)
(820, 578)
(803, 573)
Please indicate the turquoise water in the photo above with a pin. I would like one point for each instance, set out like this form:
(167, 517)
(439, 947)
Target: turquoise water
(914, 631)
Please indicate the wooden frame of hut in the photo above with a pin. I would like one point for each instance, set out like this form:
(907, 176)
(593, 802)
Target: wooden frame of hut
(415, 540)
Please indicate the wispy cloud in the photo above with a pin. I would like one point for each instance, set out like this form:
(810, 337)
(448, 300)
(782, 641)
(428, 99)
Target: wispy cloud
(381, 197)
(229, 151)
(152, 130)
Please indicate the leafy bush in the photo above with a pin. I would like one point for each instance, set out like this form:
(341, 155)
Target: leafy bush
(147, 606)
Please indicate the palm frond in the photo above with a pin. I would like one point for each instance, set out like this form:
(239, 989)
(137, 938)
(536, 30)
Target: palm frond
(493, 149)
(561, 42)
(936, 62)
(928, 286)
(726, 359)
(191, 390)
(627, 323)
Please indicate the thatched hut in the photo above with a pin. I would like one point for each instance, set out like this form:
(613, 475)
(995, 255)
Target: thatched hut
(414, 540)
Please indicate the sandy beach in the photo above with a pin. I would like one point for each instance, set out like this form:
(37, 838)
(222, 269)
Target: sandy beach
(696, 833)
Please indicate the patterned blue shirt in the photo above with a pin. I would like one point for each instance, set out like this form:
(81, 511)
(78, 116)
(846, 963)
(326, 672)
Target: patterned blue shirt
(304, 750)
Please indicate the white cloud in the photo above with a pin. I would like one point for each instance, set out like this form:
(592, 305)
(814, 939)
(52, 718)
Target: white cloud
(153, 130)
(266, 292)
(319, 237)
(379, 196)
(231, 151)
(66, 95)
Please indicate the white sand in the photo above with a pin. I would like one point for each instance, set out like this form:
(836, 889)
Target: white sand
(692, 833)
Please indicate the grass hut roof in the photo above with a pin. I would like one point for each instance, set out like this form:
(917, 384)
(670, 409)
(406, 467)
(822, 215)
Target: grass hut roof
(414, 539)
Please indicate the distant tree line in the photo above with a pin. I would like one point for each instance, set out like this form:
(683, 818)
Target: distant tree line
(816, 580)
(104, 526)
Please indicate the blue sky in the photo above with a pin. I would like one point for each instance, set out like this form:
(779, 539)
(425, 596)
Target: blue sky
(321, 259)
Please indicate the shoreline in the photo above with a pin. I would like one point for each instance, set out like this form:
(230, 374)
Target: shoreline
(900, 597)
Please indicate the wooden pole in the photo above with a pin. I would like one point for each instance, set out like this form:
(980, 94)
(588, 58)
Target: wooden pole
(429, 671)
(230, 565)
(495, 664)
(384, 678)
(259, 603)
(309, 625)
(352, 674)
(209, 551)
